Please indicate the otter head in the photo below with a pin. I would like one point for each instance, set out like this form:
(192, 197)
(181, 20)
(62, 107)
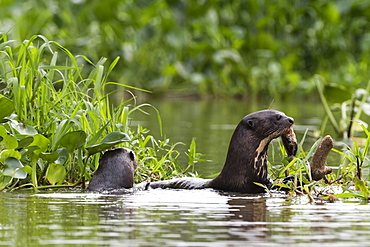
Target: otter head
(116, 170)
(263, 126)
(267, 123)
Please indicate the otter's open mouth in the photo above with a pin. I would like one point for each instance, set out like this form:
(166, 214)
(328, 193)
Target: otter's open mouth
(290, 142)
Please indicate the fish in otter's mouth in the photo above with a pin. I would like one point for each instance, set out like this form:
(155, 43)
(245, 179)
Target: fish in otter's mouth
(290, 142)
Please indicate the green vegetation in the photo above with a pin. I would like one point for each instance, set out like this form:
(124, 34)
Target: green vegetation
(351, 179)
(56, 109)
(338, 100)
(209, 47)
(53, 120)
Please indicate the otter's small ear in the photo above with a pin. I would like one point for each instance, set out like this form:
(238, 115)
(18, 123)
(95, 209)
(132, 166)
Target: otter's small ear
(250, 124)
(132, 155)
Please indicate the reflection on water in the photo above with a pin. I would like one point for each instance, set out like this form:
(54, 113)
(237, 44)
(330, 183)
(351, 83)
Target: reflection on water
(178, 218)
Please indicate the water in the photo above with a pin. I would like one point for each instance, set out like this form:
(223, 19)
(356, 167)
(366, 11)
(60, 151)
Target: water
(178, 218)
(188, 217)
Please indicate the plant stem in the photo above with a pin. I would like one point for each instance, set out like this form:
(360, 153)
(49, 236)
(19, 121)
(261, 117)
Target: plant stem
(358, 168)
(34, 174)
(351, 119)
(318, 81)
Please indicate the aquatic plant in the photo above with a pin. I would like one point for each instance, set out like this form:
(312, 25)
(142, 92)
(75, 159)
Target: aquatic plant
(349, 104)
(352, 105)
(352, 175)
(56, 115)
(350, 172)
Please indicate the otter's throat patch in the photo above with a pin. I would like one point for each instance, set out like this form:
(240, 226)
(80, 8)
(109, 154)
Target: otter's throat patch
(260, 159)
(261, 147)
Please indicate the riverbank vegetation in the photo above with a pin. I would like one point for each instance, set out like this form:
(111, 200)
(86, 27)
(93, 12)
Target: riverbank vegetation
(222, 48)
(55, 121)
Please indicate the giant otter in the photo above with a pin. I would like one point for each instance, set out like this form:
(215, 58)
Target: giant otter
(246, 161)
(245, 165)
(116, 171)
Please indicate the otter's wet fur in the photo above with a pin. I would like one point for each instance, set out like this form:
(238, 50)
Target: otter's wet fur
(116, 171)
(246, 161)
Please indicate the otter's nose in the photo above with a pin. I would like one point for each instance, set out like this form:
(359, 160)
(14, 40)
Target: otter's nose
(291, 120)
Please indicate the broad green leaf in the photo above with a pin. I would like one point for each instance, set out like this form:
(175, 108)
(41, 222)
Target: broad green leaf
(109, 141)
(30, 150)
(9, 153)
(41, 142)
(63, 156)
(49, 157)
(27, 169)
(116, 136)
(55, 174)
(8, 141)
(24, 142)
(12, 168)
(6, 107)
(73, 140)
(23, 129)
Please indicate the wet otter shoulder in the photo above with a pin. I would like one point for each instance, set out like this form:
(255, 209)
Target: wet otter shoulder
(116, 171)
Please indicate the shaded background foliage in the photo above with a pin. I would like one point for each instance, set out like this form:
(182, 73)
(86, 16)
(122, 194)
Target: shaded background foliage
(209, 47)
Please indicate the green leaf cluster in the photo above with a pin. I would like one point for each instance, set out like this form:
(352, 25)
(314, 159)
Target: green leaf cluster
(56, 117)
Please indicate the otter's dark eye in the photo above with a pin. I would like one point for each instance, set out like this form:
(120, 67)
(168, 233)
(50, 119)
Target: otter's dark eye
(278, 117)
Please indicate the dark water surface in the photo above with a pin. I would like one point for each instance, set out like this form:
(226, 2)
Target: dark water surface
(188, 218)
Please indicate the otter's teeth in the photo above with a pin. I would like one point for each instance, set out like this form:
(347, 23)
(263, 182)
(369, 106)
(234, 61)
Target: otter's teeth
(290, 142)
